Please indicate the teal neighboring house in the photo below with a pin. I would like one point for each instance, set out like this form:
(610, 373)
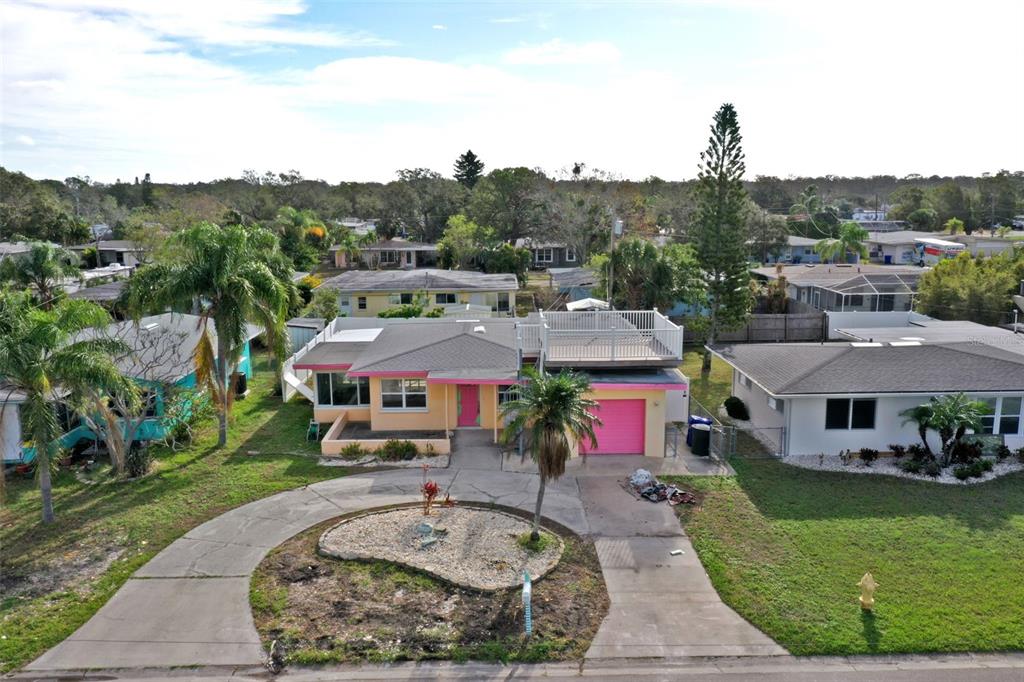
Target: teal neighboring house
(162, 348)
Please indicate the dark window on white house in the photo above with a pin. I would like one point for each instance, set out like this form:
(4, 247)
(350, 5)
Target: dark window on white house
(843, 413)
(445, 299)
(837, 413)
(862, 413)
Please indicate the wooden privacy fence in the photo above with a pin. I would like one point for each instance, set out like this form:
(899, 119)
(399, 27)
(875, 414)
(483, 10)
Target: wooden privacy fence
(762, 327)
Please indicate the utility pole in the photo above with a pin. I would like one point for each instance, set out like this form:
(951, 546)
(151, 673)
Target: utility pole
(616, 228)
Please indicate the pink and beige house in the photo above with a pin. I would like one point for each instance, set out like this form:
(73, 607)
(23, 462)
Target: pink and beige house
(424, 379)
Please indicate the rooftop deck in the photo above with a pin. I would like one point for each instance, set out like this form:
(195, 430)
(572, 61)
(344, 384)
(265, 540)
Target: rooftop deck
(601, 338)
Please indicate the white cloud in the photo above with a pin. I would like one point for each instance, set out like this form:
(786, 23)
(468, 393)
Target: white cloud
(25, 140)
(439, 27)
(507, 20)
(557, 52)
(117, 93)
(219, 22)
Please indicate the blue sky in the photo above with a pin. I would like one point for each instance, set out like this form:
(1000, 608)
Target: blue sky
(200, 89)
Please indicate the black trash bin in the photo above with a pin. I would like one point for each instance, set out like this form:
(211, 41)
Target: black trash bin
(701, 440)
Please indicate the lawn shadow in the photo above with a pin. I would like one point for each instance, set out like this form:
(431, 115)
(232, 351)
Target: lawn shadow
(871, 634)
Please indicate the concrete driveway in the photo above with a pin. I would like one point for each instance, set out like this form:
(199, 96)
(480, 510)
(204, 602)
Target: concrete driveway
(189, 606)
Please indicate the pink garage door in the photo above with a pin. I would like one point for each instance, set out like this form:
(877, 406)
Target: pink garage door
(622, 428)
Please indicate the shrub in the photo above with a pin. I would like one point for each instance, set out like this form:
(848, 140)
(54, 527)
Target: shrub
(435, 312)
(395, 450)
(963, 472)
(736, 408)
(407, 310)
(1019, 454)
(897, 450)
(868, 455)
(1002, 452)
(965, 452)
(137, 461)
(932, 469)
(352, 451)
(912, 466)
(918, 453)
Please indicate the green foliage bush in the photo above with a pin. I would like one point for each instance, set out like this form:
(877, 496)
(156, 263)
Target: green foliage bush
(435, 312)
(395, 450)
(932, 469)
(912, 466)
(736, 408)
(1002, 452)
(352, 451)
(406, 311)
(868, 455)
(897, 450)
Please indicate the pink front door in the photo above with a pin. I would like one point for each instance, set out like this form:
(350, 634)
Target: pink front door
(469, 405)
(622, 428)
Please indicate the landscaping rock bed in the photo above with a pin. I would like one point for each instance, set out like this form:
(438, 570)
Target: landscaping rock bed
(888, 466)
(469, 546)
(324, 610)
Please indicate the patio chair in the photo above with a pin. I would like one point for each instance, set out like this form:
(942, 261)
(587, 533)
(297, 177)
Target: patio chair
(313, 430)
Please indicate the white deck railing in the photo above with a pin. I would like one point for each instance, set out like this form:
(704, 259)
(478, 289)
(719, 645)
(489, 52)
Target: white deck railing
(294, 380)
(605, 336)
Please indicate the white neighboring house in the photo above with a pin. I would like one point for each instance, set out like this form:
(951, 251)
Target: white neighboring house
(869, 214)
(114, 251)
(807, 398)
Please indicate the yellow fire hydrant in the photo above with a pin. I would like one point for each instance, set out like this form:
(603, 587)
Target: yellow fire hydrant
(867, 587)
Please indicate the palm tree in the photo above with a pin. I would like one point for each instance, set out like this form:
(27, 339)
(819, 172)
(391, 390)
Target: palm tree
(850, 240)
(554, 413)
(42, 269)
(45, 358)
(951, 416)
(233, 276)
(350, 244)
(920, 416)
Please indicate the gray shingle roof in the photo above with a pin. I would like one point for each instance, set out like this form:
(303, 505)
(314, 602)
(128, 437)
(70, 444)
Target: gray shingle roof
(572, 277)
(333, 353)
(426, 279)
(111, 245)
(807, 368)
(439, 347)
(111, 291)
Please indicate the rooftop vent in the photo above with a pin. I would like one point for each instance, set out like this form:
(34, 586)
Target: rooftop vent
(904, 343)
(911, 338)
(479, 329)
(151, 325)
(866, 344)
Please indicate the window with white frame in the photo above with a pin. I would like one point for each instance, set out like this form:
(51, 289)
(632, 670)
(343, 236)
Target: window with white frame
(498, 301)
(570, 256)
(1003, 416)
(403, 394)
(546, 255)
(846, 413)
(445, 299)
(337, 389)
(388, 257)
(507, 393)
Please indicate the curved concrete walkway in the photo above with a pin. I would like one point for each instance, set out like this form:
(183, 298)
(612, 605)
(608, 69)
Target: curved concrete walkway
(189, 606)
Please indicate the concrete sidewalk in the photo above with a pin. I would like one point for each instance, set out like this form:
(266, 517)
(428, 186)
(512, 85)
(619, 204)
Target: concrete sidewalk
(190, 604)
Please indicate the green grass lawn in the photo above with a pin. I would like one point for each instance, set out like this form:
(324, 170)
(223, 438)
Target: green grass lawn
(105, 530)
(713, 390)
(785, 547)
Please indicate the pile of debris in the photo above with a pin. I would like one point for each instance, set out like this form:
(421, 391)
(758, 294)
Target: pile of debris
(642, 484)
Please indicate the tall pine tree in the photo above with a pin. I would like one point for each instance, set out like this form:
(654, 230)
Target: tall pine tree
(468, 169)
(720, 236)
